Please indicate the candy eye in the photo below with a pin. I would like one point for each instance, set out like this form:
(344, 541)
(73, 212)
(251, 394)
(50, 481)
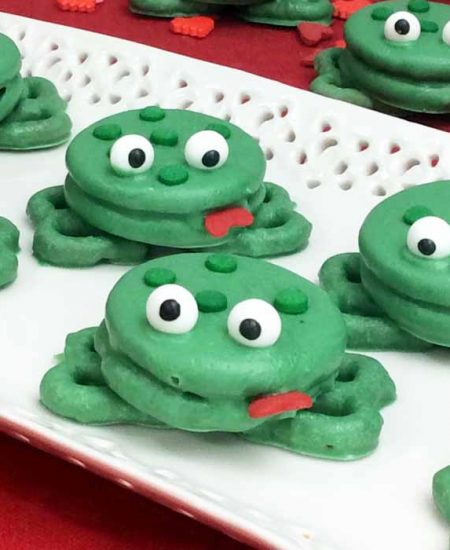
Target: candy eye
(131, 154)
(446, 33)
(429, 237)
(172, 309)
(206, 150)
(254, 323)
(402, 26)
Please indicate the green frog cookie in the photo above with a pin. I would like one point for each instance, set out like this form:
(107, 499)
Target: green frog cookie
(218, 342)
(396, 57)
(9, 246)
(441, 492)
(163, 178)
(288, 13)
(32, 115)
(396, 292)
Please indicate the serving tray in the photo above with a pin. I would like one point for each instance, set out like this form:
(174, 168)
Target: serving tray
(337, 161)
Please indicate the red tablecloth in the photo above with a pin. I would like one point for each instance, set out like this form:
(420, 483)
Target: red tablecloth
(44, 502)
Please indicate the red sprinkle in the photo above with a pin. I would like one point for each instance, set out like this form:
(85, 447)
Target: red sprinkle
(313, 33)
(279, 403)
(219, 222)
(82, 6)
(343, 9)
(198, 27)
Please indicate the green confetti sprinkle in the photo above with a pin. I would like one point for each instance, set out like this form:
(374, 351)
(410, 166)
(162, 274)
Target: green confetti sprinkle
(152, 114)
(174, 174)
(429, 26)
(164, 136)
(418, 6)
(292, 301)
(211, 301)
(221, 263)
(107, 132)
(158, 276)
(381, 13)
(220, 128)
(415, 213)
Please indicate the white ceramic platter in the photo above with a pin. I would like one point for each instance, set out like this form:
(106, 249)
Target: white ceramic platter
(337, 161)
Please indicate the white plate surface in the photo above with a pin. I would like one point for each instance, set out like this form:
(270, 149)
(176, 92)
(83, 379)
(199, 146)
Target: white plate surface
(337, 161)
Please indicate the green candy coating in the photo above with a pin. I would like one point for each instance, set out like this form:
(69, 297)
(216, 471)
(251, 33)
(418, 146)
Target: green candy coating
(32, 114)
(376, 70)
(130, 370)
(152, 114)
(166, 202)
(292, 301)
(211, 301)
(441, 492)
(164, 136)
(287, 13)
(221, 263)
(107, 132)
(158, 276)
(9, 246)
(395, 298)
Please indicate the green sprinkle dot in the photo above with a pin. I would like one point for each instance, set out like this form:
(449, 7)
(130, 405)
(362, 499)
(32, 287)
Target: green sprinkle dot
(152, 114)
(174, 174)
(381, 13)
(158, 276)
(221, 129)
(164, 136)
(429, 26)
(211, 301)
(107, 132)
(221, 263)
(418, 6)
(415, 213)
(292, 301)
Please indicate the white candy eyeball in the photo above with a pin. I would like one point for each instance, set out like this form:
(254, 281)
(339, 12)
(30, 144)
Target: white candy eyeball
(402, 26)
(429, 237)
(131, 154)
(172, 309)
(206, 150)
(254, 323)
(446, 33)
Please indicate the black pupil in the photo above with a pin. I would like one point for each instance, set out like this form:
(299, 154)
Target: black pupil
(250, 329)
(169, 310)
(136, 158)
(402, 26)
(211, 158)
(426, 247)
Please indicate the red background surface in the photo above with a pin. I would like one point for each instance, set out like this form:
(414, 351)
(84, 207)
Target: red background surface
(44, 502)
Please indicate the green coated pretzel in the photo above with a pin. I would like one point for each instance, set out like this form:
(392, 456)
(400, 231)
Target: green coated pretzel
(9, 246)
(63, 238)
(38, 120)
(276, 225)
(76, 389)
(32, 114)
(178, 345)
(441, 492)
(347, 416)
(367, 326)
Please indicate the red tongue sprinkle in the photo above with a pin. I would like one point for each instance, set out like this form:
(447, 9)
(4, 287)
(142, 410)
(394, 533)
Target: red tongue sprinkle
(218, 223)
(279, 403)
